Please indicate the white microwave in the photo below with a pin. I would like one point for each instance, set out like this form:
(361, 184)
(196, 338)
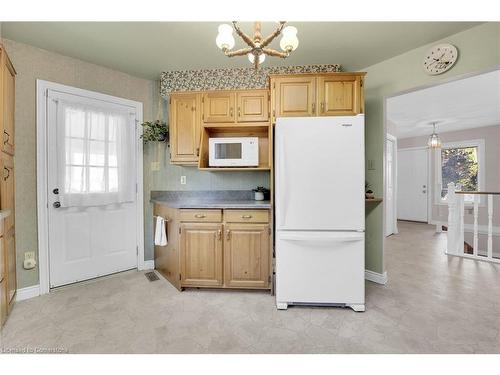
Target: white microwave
(233, 152)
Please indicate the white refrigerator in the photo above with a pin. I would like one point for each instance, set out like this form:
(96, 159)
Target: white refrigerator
(320, 211)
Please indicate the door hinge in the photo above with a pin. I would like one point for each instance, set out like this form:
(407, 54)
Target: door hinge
(137, 250)
(136, 188)
(180, 277)
(269, 279)
(179, 230)
(274, 85)
(269, 230)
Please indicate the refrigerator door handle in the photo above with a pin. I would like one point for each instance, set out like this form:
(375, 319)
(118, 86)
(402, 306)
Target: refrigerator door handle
(322, 237)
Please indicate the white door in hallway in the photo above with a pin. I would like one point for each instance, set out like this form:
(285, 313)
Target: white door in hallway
(390, 175)
(92, 187)
(412, 183)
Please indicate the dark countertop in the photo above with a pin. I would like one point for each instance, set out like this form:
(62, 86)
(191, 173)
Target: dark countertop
(209, 199)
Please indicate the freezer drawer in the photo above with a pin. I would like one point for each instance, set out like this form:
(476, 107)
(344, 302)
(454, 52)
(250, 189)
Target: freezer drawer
(320, 267)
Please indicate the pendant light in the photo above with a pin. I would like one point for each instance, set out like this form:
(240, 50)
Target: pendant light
(434, 140)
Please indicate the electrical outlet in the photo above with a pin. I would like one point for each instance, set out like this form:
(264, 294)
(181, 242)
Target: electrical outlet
(29, 255)
(29, 260)
(183, 180)
(155, 165)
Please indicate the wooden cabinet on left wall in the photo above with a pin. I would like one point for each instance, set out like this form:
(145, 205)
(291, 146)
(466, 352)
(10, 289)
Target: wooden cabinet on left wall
(185, 128)
(8, 279)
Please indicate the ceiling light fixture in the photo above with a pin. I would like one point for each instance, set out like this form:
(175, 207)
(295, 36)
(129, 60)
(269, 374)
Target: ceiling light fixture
(257, 45)
(434, 140)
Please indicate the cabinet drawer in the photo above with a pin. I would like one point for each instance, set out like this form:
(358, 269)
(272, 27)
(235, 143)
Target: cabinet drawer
(193, 215)
(246, 216)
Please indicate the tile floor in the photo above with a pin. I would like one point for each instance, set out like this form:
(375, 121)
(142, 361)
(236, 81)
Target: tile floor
(431, 304)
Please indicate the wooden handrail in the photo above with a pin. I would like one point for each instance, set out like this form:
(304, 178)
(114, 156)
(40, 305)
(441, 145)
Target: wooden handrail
(478, 192)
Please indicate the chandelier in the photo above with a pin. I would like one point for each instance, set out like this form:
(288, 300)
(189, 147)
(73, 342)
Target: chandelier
(434, 140)
(257, 45)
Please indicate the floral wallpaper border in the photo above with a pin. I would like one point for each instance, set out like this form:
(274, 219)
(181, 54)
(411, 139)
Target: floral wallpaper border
(231, 78)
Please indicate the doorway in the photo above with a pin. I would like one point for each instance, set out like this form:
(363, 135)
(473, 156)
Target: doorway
(391, 226)
(413, 175)
(90, 205)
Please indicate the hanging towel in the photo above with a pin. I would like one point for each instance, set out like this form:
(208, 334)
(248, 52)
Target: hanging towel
(160, 232)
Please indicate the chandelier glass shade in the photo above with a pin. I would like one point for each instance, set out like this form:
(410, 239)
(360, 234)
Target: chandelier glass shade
(257, 45)
(434, 140)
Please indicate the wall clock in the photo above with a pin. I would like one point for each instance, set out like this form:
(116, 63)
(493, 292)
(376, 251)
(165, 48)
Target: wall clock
(440, 59)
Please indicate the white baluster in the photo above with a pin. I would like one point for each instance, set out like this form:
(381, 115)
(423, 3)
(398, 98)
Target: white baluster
(452, 220)
(490, 226)
(476, 229)
(461, 232)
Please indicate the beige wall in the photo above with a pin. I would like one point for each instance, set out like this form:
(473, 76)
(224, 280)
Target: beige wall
(477, 51)
(491, 136)
(31, 64)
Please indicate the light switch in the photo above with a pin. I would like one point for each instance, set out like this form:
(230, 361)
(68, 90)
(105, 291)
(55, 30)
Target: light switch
(183, 180)
(155, 165)
(370, 164)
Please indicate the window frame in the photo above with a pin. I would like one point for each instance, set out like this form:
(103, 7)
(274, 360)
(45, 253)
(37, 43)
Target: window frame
(481, 152)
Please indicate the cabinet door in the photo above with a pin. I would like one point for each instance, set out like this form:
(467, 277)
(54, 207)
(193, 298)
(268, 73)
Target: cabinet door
(3, 302)
(339, 95)
(295, 96)
(185, 128)
(218, 107)
(201, 254)
(253, 106)
(246, 252)
(10, 262)
(8, 93)
(7, 189)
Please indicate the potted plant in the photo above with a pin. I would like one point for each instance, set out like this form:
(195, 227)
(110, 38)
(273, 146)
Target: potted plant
(260, 193)
(156, 131)
(369, 194)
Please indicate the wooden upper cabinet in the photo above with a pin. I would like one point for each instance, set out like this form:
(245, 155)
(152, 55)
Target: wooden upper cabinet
(201, 254)
(246, 251)
(294, 96)
(253, 106)
(219, 106)
(339, 95)
(7, 102)
(185, 128)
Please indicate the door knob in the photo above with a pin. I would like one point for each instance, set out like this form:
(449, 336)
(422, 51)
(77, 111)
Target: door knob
(55, 191)
(424, 191)
(56, 204)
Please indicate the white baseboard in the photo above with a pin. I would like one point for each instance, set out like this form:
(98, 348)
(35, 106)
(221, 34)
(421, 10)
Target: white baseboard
(379, 278)
(147, 265)
(27, 293)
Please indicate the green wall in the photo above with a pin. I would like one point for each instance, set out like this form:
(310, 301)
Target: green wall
(479, 49)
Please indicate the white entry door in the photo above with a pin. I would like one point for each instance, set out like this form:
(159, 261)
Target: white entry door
(412, 184)
(390, 174)
(92, 187)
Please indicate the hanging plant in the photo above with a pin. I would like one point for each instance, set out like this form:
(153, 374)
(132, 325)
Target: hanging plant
(156, 131)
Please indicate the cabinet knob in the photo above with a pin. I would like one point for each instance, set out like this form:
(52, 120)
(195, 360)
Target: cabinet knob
(231, 112)
(56, 204)
(246, 216)
(219, 234)
(5, 139)
(228, 234)
(314, 107)
(322, 107)
(199, 216)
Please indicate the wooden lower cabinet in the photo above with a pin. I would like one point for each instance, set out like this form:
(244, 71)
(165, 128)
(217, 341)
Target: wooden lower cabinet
(3, 302)
(9, 248)
(201, 254)
(246, 255)
(215, 248)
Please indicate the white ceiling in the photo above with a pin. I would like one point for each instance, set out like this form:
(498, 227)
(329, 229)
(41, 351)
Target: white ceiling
(145, 49)
(468, 103)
